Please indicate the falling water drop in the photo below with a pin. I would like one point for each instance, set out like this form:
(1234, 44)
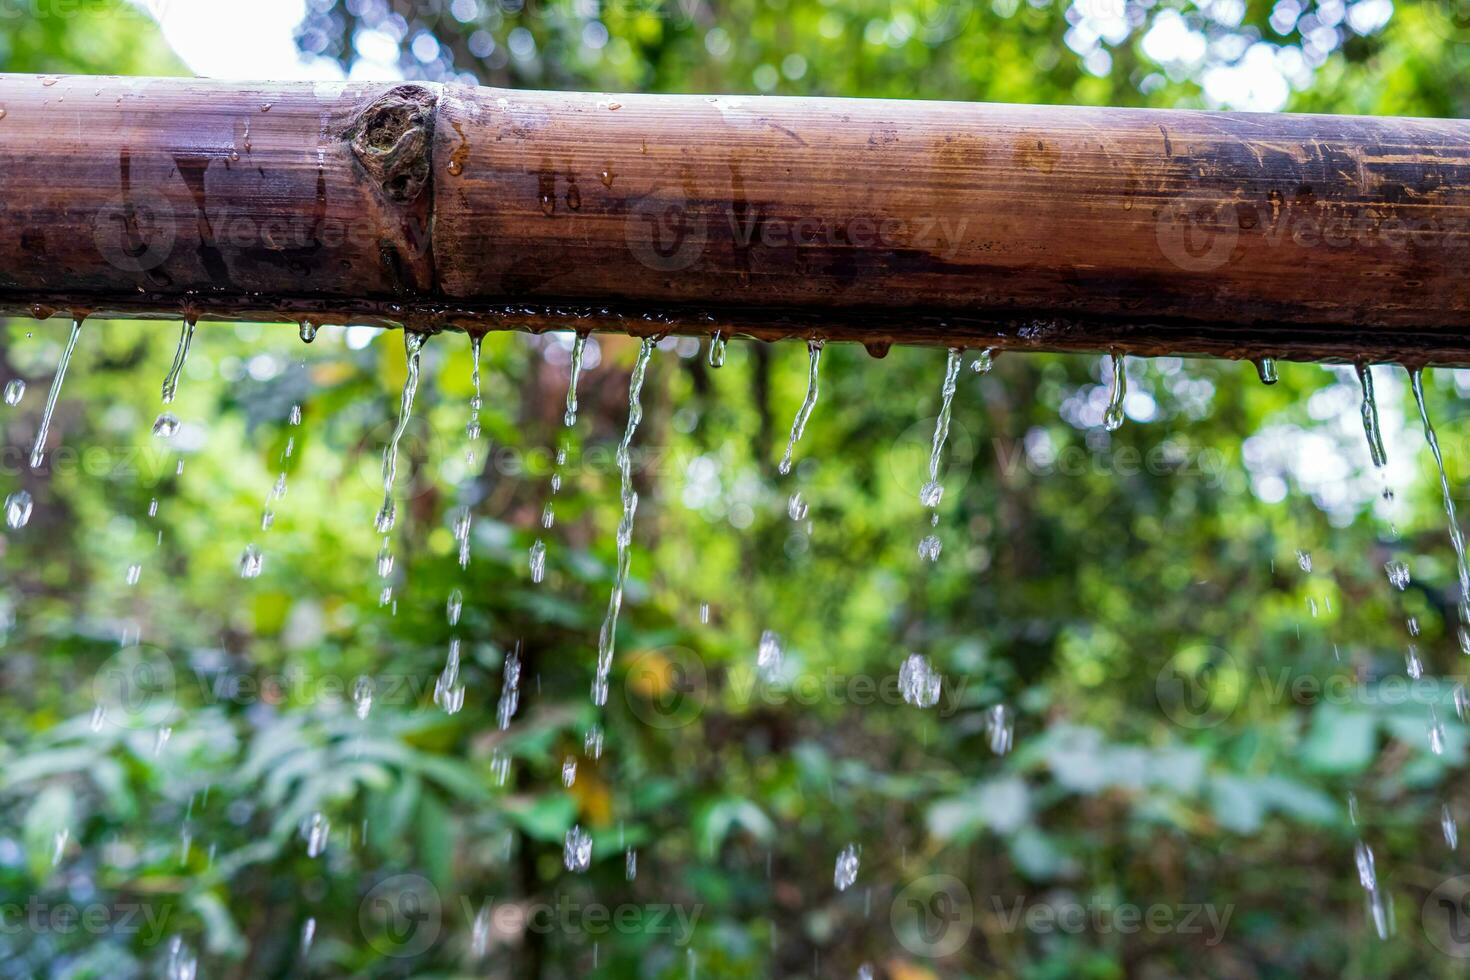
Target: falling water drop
(548, 515)
(1000, 728)
(1266, 368)
(1413, 666)
(592, 742)
(165, 425)
(1369, 411)
(171, 380)
(1113, 416)
(448, 691)
(796, 507)
(15, 391)
(295, 416)
(717, 350)
(769, 656)
(1304, 561)
(413, 343)
(579, 347)
(316, 829)
(135, 572)
(472, 427)
(510, 689)
(630, 864)
(983, 361)
(1450, 827)
(798, 425)
(1367, 872)
(538, 561)
(251, 562)
(607, 636)
(362, 696)
(577, 853)
(569, 771)
(918, 681)
(38, 453)
(930, 546)
(704, 613)
(308, 933)
(18, 509)
(846, 871)
(1398, 574)
(932, 491)
(455, 604)
(308, 331)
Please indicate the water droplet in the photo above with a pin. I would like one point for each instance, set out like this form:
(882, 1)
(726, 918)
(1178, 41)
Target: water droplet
(592, 742)
(308, 331)
(930, 546)
(510, 689)
(606, 177)
(456, 603)
(1413, 666)
(135, 572)
(574, 198)
(448, 691)
(1000, 728)
(846, 871)
(538, 560)
(251, 562)
(548, 516)
(295, 416)
(1304, 560)
(798, 425)
(18, 509)
(362, 696)
(165, 425)
(308, 933)
(983, 362)
(717, 350)
(385, 560)
(568, 771)
(1113, 416)
(918, 681)
(796, 507)
(630, 864)
(1367, 872)
(1450, 827)
(15, 391)
(1266, 368)
(316, 829)
(704, 613)
(769, 656)
(1398, 574)
(577, 853)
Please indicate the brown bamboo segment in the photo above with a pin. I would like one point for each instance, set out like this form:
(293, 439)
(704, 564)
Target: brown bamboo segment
(1042, 227)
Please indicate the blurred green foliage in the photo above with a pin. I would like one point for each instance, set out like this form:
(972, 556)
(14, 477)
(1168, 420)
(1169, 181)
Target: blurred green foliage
(1087, 580)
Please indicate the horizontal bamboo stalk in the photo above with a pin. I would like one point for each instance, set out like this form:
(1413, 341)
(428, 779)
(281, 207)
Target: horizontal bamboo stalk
(1043, 227)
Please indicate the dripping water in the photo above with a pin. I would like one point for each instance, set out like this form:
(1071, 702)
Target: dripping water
(1113, 416)
(798, 425)
(171, 380)
(38, 453)
(579, 347)
(717, 350)
(607, 637)
(1369, 411)
(413, 343)
(1457, 537)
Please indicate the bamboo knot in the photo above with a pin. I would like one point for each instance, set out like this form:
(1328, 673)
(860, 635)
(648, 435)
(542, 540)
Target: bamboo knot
(392, 140)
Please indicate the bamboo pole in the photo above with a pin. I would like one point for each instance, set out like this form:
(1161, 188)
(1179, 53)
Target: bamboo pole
(1042, 227)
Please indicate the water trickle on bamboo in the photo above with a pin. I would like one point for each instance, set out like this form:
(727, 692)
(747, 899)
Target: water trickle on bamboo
(798, 425)
(607, 636)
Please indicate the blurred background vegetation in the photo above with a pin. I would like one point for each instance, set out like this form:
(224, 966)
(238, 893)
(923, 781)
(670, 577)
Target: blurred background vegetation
(1084, 573)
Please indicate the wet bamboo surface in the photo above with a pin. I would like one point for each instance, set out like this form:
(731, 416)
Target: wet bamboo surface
(882, 222)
